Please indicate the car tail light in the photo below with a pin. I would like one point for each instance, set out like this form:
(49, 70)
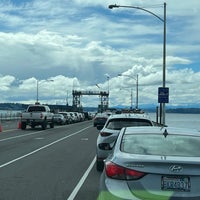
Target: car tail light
(104, 134)
(118, 172)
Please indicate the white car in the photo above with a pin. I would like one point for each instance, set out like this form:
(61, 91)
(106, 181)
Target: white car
(153, 163)
(110, 131)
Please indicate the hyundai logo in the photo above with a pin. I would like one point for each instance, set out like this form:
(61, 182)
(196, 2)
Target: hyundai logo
(175, 168)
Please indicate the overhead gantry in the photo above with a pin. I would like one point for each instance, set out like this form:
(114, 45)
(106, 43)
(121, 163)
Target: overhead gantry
(104, 99)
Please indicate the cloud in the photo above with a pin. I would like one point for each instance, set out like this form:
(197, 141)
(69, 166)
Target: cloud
(76, 43)
(6, 82)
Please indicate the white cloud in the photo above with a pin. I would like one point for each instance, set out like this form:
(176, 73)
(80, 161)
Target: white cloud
(6, 82)
(76, 43)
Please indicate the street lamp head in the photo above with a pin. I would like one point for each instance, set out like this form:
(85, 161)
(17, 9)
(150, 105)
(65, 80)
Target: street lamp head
(113, 6)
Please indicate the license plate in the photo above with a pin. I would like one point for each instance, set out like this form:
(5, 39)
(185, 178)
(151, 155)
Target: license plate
(175, 183)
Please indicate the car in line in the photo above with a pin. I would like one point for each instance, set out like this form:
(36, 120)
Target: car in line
(67, 116)
(109, 133)
(100, 119)
(153, 163)
(59, 119)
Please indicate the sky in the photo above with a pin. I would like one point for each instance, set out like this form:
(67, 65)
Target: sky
(49, 48)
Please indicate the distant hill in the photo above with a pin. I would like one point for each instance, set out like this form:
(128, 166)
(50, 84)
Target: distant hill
(18, 106)
(184, 110)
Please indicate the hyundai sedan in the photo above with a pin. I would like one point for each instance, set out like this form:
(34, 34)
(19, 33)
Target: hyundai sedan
(153, 163)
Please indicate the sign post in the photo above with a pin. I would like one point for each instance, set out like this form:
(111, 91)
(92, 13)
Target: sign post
(163, 97)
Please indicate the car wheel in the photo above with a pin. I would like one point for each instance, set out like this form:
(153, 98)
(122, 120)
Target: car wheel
(52, 125)
(32, 126)
(23, 125)
(44, 125)
(99, 165)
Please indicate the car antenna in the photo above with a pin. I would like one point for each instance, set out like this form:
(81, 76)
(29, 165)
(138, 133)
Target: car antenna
(165, 133)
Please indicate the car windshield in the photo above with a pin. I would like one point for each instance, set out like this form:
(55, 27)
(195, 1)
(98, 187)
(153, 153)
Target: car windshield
(172, 145)
(117, 124)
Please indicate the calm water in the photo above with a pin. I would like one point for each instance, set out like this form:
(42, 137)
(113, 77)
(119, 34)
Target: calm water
(171, 119)
(180, 120)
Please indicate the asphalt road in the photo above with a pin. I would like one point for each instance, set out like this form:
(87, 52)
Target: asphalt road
(51, 164)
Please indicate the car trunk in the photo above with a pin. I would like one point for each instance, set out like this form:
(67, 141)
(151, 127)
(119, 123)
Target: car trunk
(164, 180)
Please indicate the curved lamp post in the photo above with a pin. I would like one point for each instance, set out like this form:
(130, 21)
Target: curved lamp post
(37, 98)
(136, 103)
(164, 44)
(108, 79)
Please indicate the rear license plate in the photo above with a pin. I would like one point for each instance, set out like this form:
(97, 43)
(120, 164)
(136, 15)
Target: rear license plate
(175, 183)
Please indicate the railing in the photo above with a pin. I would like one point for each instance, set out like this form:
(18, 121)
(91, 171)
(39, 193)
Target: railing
(10, 116)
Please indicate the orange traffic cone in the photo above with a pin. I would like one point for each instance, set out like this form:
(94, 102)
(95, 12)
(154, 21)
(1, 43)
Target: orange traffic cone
(19, 125)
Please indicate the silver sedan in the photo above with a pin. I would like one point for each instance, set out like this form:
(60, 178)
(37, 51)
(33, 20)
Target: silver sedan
(153, 163)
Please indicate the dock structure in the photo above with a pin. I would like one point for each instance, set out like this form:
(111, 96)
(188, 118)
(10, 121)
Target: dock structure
(103, 95)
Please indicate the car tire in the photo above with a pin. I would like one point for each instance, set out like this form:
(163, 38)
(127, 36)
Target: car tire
(99, 165)
(23, 125)
(32, 126)
(52, 125)
(44, 125)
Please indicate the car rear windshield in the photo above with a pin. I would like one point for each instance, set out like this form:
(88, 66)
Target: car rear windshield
(36, 109)
(117, 124)
(172, 145)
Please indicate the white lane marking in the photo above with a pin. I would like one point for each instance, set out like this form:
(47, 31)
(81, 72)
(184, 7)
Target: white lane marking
(84, 139)
(19, 136)
(24, 135)
(41, 148)
(82, 180)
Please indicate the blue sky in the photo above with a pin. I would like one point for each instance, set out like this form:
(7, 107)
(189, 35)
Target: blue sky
(78, 44)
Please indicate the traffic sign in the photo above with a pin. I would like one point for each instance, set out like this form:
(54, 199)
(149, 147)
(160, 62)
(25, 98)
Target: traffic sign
(163, 95)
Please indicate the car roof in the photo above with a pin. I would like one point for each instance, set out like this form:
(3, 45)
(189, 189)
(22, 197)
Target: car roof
(129, 115)
(101, 114)
(160, 130)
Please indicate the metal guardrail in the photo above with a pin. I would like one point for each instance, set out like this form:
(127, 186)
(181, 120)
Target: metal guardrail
(9, 116)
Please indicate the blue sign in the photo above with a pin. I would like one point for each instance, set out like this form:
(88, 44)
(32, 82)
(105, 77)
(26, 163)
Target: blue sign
(163, 95)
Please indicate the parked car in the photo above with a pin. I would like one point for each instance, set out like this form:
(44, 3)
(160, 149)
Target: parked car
(88, 116)
(67, 116)
(153, 163)
(74, 117)
(110, 131)
(37, 115)
(59, 119)
(100, 119)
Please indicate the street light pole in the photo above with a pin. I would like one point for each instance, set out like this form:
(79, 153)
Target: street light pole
(108, 79)
(136, 103)
(136, 92)
(164, 62)
(37, 95)
(164, 43)
(37, 92)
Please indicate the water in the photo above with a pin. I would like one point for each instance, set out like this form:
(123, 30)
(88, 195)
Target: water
(9, 114)
(171, 119)
(180, 120)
